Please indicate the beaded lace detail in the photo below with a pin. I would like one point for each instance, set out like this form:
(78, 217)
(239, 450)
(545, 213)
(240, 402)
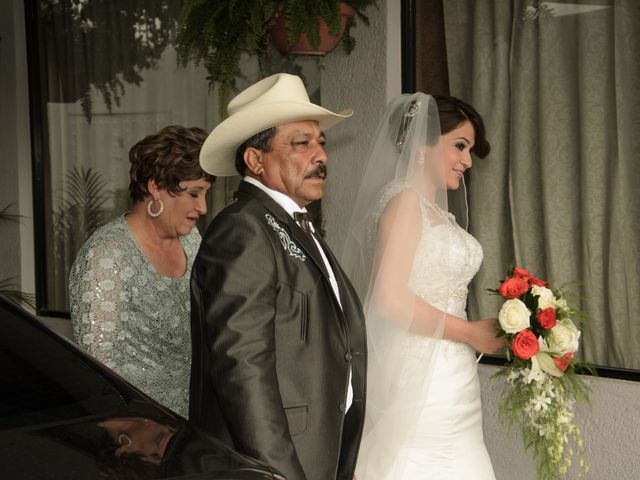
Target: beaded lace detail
(130, 317)
(445, 262)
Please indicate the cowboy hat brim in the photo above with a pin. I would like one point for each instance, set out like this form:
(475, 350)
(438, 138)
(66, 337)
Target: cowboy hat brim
(217, 156)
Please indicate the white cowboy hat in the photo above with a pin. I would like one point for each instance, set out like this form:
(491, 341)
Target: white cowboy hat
(273, 101)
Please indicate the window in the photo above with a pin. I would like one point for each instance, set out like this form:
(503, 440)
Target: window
(556, 83)
(103, 75)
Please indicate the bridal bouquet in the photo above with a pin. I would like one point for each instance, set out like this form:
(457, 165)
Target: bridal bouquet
(542, 383)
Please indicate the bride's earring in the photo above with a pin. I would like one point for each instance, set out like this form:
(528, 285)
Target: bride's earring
(420, 158)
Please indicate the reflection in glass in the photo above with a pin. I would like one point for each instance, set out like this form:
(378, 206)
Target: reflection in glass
(138, 437)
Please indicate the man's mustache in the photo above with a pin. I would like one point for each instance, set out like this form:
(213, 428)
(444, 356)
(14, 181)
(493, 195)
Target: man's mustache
(320, 172)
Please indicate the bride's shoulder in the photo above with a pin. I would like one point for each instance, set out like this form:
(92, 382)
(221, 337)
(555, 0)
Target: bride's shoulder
(406, 199)
(398, 192)
(399, 199)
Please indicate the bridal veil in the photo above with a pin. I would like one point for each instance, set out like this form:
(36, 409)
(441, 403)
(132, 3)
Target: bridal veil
(402, 190)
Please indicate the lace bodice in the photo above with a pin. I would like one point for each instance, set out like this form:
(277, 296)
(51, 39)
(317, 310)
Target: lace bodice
(130, 317)
(446, 260)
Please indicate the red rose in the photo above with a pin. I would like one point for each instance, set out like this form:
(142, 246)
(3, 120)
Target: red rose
(563, 362)
(537, 282)
(547, 318)
(525, 345)
(513, 287)
(521, 273)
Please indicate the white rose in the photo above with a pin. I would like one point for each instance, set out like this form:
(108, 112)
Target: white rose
(514, 316)
(563, 338)
(545, 297)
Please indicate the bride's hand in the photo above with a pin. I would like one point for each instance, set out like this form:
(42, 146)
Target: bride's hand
(483, 336)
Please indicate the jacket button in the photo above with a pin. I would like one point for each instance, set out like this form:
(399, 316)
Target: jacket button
(348, 357)
(342, 407)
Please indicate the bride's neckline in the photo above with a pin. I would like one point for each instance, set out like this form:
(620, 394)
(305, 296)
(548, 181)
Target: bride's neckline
(399, 185)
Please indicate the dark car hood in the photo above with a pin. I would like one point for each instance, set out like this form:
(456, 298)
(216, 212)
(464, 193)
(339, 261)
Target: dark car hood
(63, 415)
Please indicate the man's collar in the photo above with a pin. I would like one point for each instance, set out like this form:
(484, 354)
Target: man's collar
(280, 198)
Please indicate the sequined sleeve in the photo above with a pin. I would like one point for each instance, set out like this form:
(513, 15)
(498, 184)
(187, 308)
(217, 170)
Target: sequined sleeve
(98, 293)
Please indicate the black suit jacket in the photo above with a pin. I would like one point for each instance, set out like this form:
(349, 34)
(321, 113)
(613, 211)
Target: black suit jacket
(272, 348)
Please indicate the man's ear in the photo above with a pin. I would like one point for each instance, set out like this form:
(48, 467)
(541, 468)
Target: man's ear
(253, 161)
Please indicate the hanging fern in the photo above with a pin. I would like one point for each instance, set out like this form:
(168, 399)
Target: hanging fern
(215, 33)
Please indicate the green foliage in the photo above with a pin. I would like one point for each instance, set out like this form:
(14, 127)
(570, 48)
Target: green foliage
(8, 287)
(302, 14)
(10, 291)
(215, 33)
(81, 210)
(544, 411)
(5, 216)
(103, 44)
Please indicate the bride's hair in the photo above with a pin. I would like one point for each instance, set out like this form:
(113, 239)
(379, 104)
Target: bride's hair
(453, 112)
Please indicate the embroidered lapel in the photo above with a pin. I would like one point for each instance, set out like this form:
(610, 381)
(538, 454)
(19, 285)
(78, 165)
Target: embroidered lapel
(288, 244)
(295, 236)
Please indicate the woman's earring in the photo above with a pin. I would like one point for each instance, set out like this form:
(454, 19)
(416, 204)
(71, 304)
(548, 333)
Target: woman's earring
(420, 158)
(151, 212)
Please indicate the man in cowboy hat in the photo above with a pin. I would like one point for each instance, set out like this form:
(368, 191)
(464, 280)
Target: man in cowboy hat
(279, 351)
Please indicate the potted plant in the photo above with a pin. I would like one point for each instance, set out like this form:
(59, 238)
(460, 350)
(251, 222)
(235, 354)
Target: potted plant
(323, 34)
(217, 32)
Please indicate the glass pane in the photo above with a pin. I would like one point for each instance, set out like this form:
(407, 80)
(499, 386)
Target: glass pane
(108, 77)
(557, 83)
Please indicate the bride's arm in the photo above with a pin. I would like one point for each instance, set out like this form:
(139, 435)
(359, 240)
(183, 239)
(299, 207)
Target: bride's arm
(399, 232)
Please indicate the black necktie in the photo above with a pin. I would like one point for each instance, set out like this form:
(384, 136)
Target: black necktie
(304, 220)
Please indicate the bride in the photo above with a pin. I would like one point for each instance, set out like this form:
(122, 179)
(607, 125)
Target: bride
(406, 251)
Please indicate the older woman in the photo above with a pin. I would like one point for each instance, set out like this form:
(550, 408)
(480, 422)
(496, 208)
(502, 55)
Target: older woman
(129, 284)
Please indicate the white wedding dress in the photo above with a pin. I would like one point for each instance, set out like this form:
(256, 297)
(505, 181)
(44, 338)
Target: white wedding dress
(448, 441)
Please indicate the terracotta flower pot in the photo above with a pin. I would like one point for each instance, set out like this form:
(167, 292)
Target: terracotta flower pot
(302, 47)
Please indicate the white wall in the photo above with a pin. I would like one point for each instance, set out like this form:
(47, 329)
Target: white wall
(611, 430)
(365, 80)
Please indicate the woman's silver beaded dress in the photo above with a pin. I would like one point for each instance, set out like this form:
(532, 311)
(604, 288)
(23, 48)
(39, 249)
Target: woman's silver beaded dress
(131, 318)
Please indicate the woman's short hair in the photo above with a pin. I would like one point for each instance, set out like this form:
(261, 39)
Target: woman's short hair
(168, 157)
(453, 112)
